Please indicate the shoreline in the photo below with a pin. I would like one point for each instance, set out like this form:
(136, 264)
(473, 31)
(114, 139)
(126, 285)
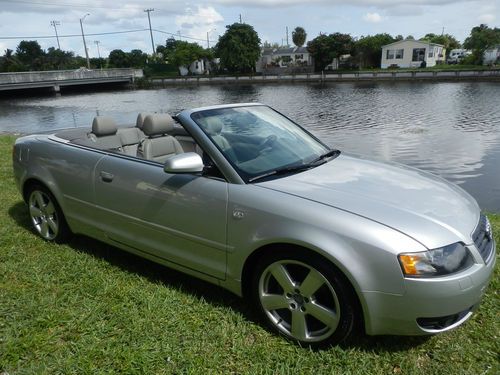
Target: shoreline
(363, 76)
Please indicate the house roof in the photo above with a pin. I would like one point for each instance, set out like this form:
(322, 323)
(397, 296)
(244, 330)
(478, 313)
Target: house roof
(284, 51)
(413, 41)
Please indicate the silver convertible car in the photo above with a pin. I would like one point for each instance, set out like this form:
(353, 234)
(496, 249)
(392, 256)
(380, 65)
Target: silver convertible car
(316, 240)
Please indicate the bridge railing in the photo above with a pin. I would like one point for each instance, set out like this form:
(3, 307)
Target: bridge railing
(63, 75)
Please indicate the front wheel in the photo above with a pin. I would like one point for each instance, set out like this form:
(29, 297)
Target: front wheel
(303, 297)
(46, 215)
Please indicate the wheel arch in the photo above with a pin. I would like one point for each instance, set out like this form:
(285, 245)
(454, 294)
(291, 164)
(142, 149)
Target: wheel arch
(253, 259)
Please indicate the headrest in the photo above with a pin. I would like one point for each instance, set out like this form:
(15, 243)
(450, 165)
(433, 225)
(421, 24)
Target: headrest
(102, 126)
(140, 120)
(213, 125)
(157, 124)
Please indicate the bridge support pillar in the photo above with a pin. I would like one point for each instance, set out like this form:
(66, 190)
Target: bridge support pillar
(56, 89)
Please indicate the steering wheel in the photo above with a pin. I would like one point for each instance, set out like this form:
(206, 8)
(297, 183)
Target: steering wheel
(268, 142)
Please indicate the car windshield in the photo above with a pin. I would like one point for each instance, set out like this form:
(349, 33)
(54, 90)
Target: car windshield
(260, 142)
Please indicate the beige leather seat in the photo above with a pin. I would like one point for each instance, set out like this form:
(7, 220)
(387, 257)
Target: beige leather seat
(213, 126)
(139, 123)
(130, 139)
(158, 145)
(104, 134)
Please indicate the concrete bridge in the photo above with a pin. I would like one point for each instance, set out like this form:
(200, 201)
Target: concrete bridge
(56, 79)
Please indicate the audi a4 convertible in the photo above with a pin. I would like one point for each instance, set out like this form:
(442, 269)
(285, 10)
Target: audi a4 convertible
(317, 241)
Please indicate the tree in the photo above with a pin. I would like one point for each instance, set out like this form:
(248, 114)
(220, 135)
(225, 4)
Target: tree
(325, 48)
(299, 36)
(239, 48)
(368, 49)
(30, 54)
(448, 41)
(9, 62)
(118, 59)
(480, 39)
(58, 59)
(137, 58)
(185, 53)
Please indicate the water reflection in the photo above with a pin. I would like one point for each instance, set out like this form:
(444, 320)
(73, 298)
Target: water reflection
(450, 128)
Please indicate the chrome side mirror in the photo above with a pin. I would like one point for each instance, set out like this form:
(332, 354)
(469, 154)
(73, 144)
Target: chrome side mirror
(189, 162)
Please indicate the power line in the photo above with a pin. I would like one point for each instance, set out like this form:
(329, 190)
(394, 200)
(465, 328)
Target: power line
(72, 35)
(179, 35)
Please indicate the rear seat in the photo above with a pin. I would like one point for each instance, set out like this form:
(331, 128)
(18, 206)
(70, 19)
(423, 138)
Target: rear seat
(130, 139)
(104, 134)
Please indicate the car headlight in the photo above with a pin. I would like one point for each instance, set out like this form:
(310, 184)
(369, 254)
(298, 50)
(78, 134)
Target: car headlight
(438, 262)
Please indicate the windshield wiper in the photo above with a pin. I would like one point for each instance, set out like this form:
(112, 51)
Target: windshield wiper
(285, 170)
(327, 154)
(297, 168)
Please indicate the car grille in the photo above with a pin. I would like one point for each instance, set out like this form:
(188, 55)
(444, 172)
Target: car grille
(483, 238)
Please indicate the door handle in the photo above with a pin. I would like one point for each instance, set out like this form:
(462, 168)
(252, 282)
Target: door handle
(106, 177)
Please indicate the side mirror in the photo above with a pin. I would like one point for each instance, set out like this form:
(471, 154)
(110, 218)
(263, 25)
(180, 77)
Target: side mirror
(189, 162)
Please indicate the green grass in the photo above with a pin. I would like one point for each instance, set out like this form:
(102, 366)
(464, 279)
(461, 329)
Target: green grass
(85, 307)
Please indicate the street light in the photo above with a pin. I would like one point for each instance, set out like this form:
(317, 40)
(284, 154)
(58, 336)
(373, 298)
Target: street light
(98, 52)
(84, 43)
(208, 32)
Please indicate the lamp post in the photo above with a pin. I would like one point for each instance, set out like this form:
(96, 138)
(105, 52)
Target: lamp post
(84, 43)
(208, 40)
(98, 52)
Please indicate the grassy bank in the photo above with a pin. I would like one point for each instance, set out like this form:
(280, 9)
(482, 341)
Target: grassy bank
(85, 307)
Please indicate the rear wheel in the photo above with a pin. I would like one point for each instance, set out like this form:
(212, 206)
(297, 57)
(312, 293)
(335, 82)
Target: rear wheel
(303, 297)
(46, 215)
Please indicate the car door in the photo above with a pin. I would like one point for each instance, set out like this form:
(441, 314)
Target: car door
(178, 217)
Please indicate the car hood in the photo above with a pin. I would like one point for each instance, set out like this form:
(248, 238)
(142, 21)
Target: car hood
(427, 208)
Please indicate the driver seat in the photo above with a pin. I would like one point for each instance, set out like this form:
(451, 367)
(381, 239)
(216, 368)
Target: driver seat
(213, 127)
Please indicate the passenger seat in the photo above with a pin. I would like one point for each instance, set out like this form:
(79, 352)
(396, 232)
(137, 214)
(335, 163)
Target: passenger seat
(139, 123)
(158, 145)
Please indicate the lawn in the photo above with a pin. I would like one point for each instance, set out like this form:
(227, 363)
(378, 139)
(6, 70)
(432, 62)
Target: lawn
(85, 307)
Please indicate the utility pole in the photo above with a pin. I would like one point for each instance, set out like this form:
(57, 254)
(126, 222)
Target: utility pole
(442, 31)
(55, 24)
(208, 41)
(240, 18)
(179, 33)
(150, 30)
(84, 43)
(98, 52)
(287, 37)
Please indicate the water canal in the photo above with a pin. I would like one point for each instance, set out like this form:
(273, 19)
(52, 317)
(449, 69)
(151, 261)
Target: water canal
(449, 128)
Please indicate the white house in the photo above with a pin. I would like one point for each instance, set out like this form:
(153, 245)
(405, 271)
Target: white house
(411, 53)
(284, 58)
(491, 56)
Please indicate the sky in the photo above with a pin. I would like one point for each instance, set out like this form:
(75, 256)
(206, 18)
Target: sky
(31, 20)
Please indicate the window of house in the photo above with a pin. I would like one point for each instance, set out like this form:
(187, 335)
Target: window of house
(299, 57)
(418, 54)
(390, 54)
(196, 64)
(431, 53)
(286, 59)
(399, 53)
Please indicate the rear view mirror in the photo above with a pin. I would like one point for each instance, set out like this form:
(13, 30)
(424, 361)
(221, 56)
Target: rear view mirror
(189, 162)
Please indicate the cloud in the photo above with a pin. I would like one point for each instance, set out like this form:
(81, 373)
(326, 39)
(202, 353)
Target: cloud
(373, 3)
(372, 17)
(196, 23)
(486, 18)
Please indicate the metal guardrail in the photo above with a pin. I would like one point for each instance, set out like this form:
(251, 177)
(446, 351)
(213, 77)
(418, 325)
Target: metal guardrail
(63, 75)
(333, 77)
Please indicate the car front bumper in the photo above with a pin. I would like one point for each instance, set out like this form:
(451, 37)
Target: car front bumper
(429, 305)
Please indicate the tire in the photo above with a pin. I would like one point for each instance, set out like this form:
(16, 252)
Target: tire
(303, 297)
(46, 215)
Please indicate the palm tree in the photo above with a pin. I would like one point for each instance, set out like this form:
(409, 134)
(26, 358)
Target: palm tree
(299, 36)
